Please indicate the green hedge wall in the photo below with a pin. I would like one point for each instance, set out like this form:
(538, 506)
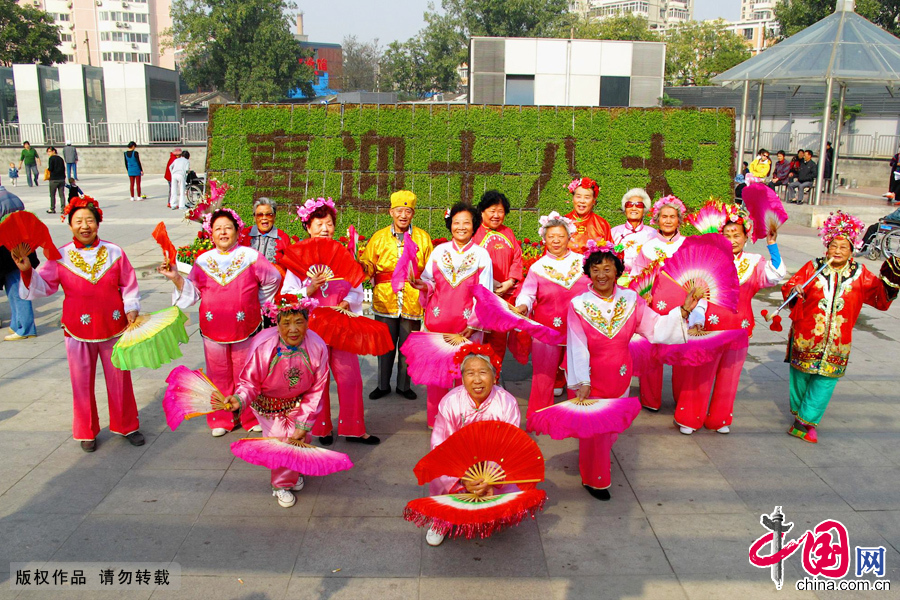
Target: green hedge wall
(359, 154)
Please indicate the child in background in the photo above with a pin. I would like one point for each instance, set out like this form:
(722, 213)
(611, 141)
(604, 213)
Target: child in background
(74, 190)
(14, 174)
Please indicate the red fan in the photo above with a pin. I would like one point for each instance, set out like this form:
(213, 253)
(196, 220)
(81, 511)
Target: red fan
(585, 418)
(316, 256)
(407, 265)
(350, 332)
(429, 357)
(162, 238)
(719, 318)
(22, 227)
(705, 262)
(497, 452)
(470, 516)
(765, 208)
(497, 314)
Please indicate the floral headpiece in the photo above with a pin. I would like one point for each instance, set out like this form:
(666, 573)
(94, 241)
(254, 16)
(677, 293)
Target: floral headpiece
(592, 247)
(207, 220)
(841, 224)
(665, 201)
(286, 302)
(81, 202)
(555, 216)
(484, 350)
(586, 183)
(734, 214)
(306, 210)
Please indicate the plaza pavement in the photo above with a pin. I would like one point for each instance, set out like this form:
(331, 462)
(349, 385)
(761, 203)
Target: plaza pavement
(684, 510)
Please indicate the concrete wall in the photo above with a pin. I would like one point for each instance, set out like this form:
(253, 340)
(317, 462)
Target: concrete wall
(110, 160)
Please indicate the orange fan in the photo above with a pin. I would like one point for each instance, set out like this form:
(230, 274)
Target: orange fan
(350, 332)
(316, 256)
(494, 451)
(23, 227)
(162, 238)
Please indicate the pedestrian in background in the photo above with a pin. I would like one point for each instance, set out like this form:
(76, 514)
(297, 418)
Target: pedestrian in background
(135, 171)
(31, 161)
(14, 174)
(179, 170)
(70, 155)
(21, 319)
(173, 155)
(56, 169)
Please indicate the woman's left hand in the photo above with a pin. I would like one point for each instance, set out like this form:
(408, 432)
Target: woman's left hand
(299, 434)
(479, 487)
(344, 304)
(771, 236)
(690, 303)
(131, 315)
(502, 288)
(467, 332)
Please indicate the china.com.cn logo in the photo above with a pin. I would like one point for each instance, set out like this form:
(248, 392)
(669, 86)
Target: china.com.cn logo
(825, 551)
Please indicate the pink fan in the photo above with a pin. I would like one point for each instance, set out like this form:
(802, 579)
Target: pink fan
(585, 419)
(407, 264)
(497, 314)
(765, 208)
(701, 348)
(275, 453)
(353, 243)
(642, 283)
(710, 217)
(429, 357)
(643, 355)
(705, 262)
(189, 394)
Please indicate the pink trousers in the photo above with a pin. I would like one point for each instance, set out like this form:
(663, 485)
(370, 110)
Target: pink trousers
(434, 396)
(352, 421)
(123, 413)
(545, 361)
(692, 385)
(224, 364)
(594, 460)
(651, 385)
(281, 428)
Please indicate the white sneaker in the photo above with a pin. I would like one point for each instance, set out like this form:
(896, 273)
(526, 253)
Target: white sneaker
(725, 429)
(219, 432)
(285, 498)
(299, 485)
(433, 538)
(558, 391)
(685, 430)
(133, 199)
(256, 429)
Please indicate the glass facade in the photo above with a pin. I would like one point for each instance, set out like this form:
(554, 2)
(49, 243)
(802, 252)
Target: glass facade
(163, 100)
(95, 95)
(51, 98)
(9, 113)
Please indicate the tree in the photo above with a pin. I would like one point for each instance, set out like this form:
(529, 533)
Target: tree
(667, 100)
(404, 69)
(624, 27)
(851, 111)
(698, 51)
(794, 16)
(28, 35)
(243, 47)
(361, 64)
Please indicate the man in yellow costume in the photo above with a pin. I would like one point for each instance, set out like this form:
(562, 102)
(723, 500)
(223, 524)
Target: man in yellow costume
(400, 312)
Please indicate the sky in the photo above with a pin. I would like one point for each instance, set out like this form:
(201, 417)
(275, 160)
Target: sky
(402, 19)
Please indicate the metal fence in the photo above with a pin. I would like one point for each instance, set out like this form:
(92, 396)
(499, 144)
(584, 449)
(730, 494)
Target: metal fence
(857, 145)
(99, 134)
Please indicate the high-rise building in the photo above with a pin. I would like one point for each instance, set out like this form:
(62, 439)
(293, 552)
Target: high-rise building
(757, 24)
(660, 14)
(97, 32)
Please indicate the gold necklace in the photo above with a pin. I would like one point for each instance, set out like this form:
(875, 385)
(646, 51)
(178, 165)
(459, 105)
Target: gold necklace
(91, 271)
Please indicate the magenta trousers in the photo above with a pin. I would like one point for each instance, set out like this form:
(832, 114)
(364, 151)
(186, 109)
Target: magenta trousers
(651, 385)
(281, 428)
(352, 420)
(691, 385)
(594, 460)
(224, 363)
(123, 413)
(545, 361)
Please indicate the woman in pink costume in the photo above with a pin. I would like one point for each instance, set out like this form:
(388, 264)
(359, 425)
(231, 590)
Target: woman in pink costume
(633, 234)
(101, 300)
(282, 382)
(695, 408)
(549, 287)
(318, 217)
(445, 289)
(477, 399)
(601, 323)
(230, 282)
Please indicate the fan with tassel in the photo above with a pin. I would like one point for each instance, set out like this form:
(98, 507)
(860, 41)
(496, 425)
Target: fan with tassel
(322, 256)
(23, 230)
(407, 264)
(295, 455)
(704, 263)
(190, 394)
(585, 418)
(765, 208)
(471, 516)
(496, 314)
(162, 238)
(429, 357)
(345, 330)
(152, 340)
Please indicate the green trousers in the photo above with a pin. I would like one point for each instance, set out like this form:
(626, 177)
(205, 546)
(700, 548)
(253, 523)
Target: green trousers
(810, 395)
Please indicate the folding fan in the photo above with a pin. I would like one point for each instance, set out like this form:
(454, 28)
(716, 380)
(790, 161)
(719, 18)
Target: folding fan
(190, 394)
(353, 242)
(710, 217)
(162, 238)
(701, 348)
(585, 418)
(22, 227)
(315, 256)
(429, 357)
(151, 340)
(705, 262)
(494, 451)
(280, 453)
(719, 318)
(765, 209)
(407, 264)
(470, 516)
(642, 283)
(496, 314)
(350, 332)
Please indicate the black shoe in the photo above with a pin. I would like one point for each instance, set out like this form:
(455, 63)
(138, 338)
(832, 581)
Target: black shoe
(379, 393)
(598, 494)
(136, 438)
(650, 409)
(326, 440)
(369, 441)
(89, 445)
(408, 394)
(51, 212)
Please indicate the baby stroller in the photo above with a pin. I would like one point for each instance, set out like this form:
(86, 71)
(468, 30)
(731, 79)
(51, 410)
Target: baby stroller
(194, 189)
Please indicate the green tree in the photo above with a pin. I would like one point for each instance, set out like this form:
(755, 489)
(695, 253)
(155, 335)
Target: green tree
(361, 63)
(794, 16)
(625, 27)
(243, 47)
(404, 69)
(28, 35)
(698, 51)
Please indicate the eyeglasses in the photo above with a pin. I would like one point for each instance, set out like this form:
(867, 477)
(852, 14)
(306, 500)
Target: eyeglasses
(267, 215)
(634, 204)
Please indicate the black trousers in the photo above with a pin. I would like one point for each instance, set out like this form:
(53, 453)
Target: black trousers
(57, 187)
(400, 329)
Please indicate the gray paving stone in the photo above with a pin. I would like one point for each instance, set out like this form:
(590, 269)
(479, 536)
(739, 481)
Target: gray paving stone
(661, 451)
(31, 537)
(352, 588)
(190, 450)
(47, 489)
(125, 538)
(865, 488)
(797, 488)
(729, 585)
(28, 448)
(40, 416)
(227, 587)
(837, 449)
(398, 452)
(155, 492)
(246, 492)
(567, 497)
(360, 493)
(671, 491)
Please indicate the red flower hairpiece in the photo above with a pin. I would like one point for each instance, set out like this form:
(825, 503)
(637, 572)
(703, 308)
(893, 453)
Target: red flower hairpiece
(586, 183)
(286, 302)
(484, 350)
(81, 202)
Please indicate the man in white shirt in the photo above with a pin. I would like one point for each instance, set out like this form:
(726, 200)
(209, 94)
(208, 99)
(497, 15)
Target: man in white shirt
(179, 170)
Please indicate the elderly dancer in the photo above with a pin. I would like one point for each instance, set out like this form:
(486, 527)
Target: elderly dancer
(318, 218)
(263, 236)
(446, 286)
(694, 408)
(823, 316)
(506, 256)
(230, 282)
(633, 234)
(549, 287)
(588, 225)
(101, 299)
(400, 312)
(601, 323)
(479, 398)
(282, 382)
